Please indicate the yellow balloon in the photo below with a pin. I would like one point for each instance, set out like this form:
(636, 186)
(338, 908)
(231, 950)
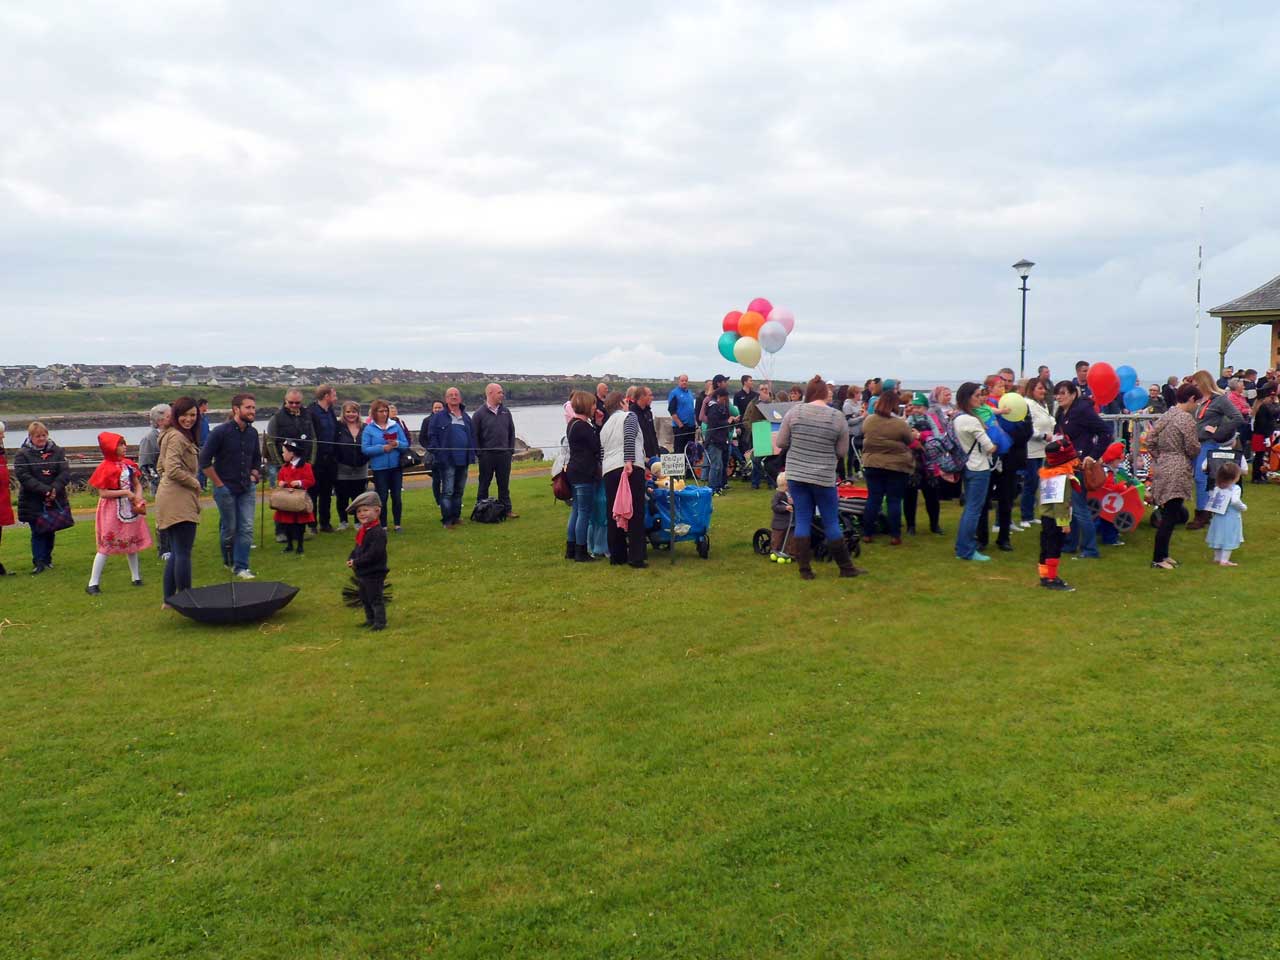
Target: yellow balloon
(1013, 407)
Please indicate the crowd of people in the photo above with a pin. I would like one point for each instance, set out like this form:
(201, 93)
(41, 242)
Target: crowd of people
(1202, 435)
(1207, 435)
(312, 458)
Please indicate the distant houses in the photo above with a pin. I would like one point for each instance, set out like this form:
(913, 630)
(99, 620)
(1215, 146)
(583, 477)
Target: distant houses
(85, 376)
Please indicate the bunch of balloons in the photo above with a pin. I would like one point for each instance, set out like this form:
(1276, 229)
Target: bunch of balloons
(1107, 382)
(748, 336)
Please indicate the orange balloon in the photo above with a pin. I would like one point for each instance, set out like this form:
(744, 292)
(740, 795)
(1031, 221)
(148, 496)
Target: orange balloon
(750, 323)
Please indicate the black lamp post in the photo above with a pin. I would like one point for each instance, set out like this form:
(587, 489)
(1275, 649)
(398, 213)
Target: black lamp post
(1024, 268)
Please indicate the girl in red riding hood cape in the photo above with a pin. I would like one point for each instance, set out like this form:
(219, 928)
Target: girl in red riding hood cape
(1057, 479)
(121, 524)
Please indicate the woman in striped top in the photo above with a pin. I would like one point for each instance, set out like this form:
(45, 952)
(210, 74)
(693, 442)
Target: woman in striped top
(623, 455)
(816, 436)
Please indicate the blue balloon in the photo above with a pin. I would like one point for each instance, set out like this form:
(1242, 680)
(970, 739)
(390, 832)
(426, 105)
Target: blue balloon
(1128, 378)
(1135, 399)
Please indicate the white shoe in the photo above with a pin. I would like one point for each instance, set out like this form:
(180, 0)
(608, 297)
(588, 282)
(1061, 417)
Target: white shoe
(246, 575)
(342, 527)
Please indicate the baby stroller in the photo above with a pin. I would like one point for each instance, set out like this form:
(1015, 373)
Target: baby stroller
(691, 517)
(850, 514)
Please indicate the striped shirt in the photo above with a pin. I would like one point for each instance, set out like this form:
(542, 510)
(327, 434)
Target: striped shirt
(620, 439)
(815, 436)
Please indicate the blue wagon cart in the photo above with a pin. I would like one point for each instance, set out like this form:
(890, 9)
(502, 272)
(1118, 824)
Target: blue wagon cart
(677, 516)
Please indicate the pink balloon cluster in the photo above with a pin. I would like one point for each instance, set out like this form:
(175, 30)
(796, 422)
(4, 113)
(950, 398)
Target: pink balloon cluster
(762, 328)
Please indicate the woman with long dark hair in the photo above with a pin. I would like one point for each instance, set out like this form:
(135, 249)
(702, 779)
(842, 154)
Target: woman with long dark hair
(1174, 447)
(178, 493)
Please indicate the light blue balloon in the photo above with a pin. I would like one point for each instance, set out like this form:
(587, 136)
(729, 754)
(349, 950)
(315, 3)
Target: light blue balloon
(725, 345)
(1135, 399)
(1128, 378)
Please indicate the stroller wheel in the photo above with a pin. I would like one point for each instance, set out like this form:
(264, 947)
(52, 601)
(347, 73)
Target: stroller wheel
(761, 542)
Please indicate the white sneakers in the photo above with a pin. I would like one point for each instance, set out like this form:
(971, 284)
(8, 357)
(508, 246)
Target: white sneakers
(246, 575)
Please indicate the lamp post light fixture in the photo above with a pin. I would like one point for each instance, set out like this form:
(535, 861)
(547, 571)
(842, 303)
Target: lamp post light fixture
(1024, 269)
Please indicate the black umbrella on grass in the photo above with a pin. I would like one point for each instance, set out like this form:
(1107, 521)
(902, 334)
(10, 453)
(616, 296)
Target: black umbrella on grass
(233, 602)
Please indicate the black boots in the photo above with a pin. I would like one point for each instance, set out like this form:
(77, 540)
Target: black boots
(840, 553)
(803, 551)
(569, 552)
(580, 554)
(379, 617)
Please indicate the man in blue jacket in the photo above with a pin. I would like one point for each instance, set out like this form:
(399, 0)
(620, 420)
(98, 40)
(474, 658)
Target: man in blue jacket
(451, 441)
(680, 406)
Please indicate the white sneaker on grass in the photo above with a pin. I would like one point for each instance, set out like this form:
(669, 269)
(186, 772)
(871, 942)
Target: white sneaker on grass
(245, 575)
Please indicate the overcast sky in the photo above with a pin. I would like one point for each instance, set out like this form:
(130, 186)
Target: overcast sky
(566, 187)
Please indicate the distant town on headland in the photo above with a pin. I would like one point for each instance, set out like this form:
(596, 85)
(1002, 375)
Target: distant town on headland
(96, 376)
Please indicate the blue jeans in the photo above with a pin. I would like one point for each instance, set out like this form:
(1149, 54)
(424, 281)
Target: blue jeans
(757, 474)
(805, 497)
(715, 462)
(1202, 478)
(1083, 536)
(1030, 487)
(452, 484)
(388, 483)
(584, 504)
(976, 485)
(41, 547)
(889, 486)
(235, 525)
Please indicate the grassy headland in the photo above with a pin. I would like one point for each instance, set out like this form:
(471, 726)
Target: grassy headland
(711, 759)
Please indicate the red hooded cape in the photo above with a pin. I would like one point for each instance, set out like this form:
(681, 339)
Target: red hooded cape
(107, 476)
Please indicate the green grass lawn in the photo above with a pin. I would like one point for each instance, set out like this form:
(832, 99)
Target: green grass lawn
(709, 759)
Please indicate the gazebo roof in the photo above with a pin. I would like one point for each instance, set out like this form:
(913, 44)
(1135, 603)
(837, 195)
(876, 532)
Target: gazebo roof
(1266, 299)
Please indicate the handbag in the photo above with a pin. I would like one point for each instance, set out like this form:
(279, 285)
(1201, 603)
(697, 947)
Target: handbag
(561, 489)
(290, 500)
(52, 518)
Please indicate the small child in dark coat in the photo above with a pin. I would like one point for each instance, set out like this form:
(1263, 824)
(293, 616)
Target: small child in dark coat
(781, 523)
(368, 561)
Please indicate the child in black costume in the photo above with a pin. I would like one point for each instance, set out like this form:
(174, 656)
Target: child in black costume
(368, 561)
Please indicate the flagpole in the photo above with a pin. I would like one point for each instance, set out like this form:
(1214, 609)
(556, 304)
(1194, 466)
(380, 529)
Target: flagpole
(1199, 273)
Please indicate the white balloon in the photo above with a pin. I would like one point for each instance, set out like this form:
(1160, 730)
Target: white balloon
(772, 336)
(746, 350)
(783, 316)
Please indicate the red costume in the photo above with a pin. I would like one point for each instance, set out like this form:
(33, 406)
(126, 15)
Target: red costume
(288, 474)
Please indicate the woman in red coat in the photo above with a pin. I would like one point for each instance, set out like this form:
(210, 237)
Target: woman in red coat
(295, 473)
(6, 508)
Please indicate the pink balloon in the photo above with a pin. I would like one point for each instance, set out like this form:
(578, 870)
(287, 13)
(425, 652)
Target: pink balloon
(761, 306)
(783, 316)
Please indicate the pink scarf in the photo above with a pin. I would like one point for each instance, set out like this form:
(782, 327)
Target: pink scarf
(622, 506)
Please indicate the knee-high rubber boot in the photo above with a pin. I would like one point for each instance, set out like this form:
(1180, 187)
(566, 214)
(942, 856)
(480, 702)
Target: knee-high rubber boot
(804, 556)
(568, 549)
(840, 553)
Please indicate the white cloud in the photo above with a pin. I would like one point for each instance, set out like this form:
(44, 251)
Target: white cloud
(642, 360)
(490, 190)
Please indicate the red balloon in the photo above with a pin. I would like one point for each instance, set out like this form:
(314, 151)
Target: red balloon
(1104, 383)
(731, 319)
(761, 306)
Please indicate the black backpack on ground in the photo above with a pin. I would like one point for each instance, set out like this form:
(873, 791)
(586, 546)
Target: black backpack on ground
(489, 510)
